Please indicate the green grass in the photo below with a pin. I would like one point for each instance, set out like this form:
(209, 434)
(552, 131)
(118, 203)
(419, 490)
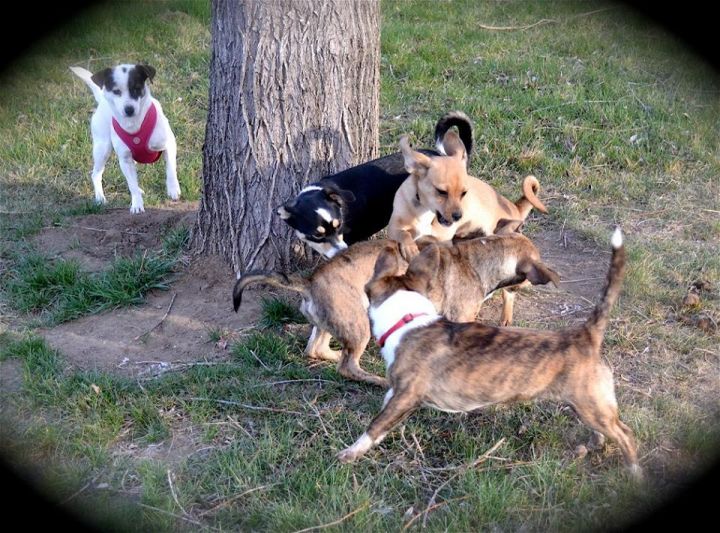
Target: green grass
(277, 311)
(616, 119)
(58, 290)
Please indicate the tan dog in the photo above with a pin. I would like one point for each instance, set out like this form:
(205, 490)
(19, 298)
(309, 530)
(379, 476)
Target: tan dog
(465, 366)
(334, 302)
(440, 199)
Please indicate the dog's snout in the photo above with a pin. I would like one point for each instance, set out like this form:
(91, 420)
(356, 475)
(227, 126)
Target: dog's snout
(129, 110)
(457, 215)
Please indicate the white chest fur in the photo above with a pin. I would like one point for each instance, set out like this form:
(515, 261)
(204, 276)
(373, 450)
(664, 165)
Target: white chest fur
(424, 224)
(391, 311)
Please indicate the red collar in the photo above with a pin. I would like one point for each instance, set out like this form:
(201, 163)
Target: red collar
(400, 323)
(138, 141)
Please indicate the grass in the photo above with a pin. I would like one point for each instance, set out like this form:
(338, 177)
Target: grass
(616, 119)
(58, 290)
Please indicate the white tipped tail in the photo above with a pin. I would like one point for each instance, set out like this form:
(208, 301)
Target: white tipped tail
(617, 238)
(86, 76)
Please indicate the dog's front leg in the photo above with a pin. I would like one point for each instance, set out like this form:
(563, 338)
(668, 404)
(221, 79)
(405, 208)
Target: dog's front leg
(508, 297)
(101, 152)
(170, 155)
(127, 165)
(398, 407)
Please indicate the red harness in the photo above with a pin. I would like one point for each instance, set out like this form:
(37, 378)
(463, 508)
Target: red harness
(406, 319)
(138, 141)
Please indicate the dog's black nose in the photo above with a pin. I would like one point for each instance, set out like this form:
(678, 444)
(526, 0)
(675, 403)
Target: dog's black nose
(457, 215)
(129, 110)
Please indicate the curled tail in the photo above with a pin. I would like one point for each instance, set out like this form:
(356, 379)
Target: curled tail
(86, 76)
(464, 126)
(598, 320)
(530, 187)
(276, 279)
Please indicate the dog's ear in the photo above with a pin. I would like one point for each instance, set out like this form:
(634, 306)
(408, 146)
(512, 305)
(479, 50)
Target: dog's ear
(147, 71)
(505, 226)
(538, 273)
(101, 77)
(416, 163)
(423, 268)
(453, 146)
(388, 262)
(338, 195)
(285, 211)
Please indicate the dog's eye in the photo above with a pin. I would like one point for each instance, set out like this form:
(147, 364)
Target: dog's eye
(441, 193)
(117, 92)
(463, 194)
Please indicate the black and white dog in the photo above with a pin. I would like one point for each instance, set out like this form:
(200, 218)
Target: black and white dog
(129, 120)
(354, 204)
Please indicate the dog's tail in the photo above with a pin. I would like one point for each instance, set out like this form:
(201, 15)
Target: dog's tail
(86, 76)
(464, 126)
(529, 199)
(292, 282)
(598, 320)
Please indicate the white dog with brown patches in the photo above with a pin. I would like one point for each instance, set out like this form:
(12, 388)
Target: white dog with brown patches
(129, 120)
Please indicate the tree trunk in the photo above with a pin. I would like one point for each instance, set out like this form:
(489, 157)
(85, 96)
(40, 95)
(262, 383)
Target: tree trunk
(293, 97)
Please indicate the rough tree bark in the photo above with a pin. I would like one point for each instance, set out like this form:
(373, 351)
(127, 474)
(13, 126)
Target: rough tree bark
(294, 90)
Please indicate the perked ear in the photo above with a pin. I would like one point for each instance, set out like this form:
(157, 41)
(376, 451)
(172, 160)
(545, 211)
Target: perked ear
(423, 268)
(416, 164)
(537, 273)
(453, 146)
(100, 76)
(505, 226)
(338, 195)
(147, 70)
(387, 263)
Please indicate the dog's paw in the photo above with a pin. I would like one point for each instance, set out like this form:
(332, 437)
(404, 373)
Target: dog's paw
(173, 193)
(100, 198)
(137, 208)
(409, 250)
(348, 455)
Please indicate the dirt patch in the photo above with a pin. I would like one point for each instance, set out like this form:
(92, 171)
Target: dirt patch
(126, 340)
(95, 240)
(175, 326)
(582, 267)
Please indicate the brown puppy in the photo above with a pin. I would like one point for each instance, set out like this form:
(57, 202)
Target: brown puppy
(439, 198)
(334, 302)
(464, 366)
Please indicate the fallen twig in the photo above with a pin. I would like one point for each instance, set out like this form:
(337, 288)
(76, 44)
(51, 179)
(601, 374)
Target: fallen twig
(333, 523)
(432, 508)
(541, 22)
(247, 406)
(236, 497)
(174, 494)
(161, 320)
(484, 457)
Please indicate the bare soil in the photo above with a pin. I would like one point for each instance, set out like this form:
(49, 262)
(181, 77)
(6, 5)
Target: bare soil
(174, 326)
(171, 326)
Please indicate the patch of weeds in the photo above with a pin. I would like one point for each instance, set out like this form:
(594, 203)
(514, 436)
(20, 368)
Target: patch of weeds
(60, 291)
(263, 349)
(277, 312)
(175, 241)
(38, 283)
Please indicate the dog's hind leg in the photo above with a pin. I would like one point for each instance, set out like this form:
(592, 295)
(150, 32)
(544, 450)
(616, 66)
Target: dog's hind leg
(349, 366)
(598, 409)
(171, 181)
(101, 152)
(318, 346)
(398, 407)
